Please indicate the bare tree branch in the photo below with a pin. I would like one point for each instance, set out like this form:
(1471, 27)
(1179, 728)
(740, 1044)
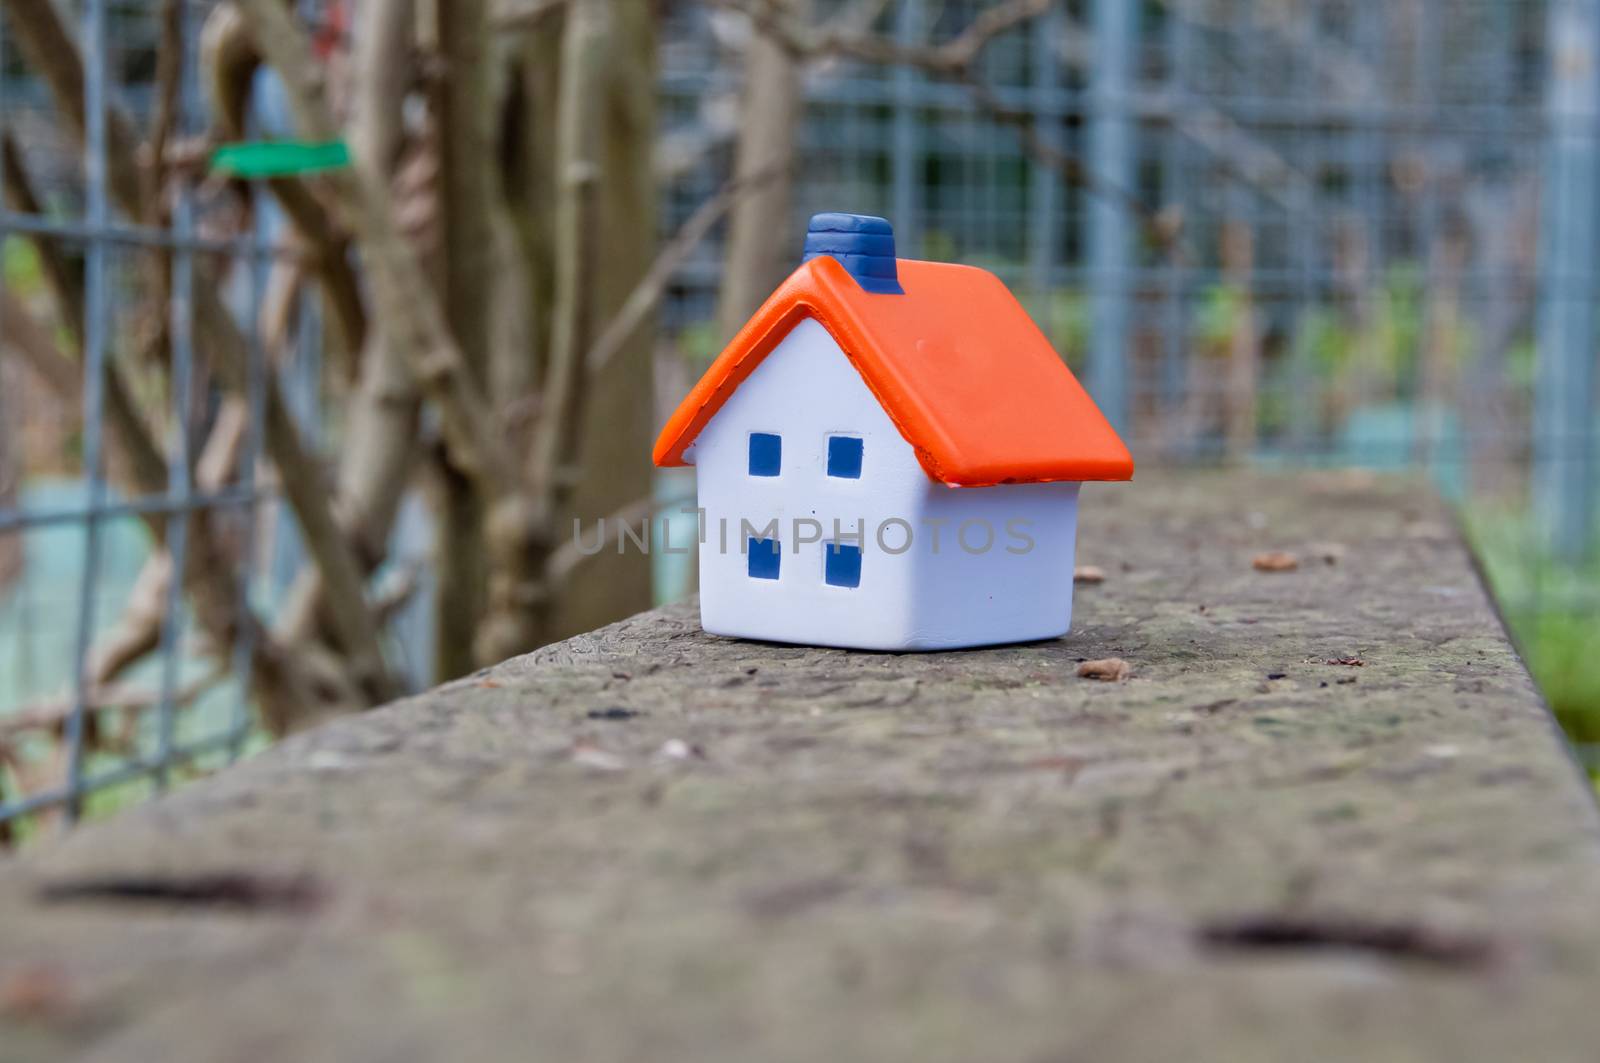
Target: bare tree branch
(280, 295)
(8, 758)
(378, 456)
(50, 51)
(577, 174)
(647, 293)
(64, 279)
(220, 454)
(857, 18)
(566, 558)
(521, 526)
(137, 456)
(772, 103)
(1354, 80)
(954, 60)
(461, 104)
(382, 69)
(844, 38)
(169, 68)
(517, 15)
(27, 338)
(49, 48)
(50, 713)
(403, 294)
(1161, 228)
(138, 629)
(230, 58)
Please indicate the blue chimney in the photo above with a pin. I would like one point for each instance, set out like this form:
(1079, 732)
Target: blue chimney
(862, 244)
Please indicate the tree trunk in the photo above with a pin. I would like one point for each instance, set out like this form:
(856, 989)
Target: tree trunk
(1244, 346)
(1440, 354)
(380, 446)
(527, 150)
(10, 471)
(617, 426)
(760, 250)
(462, 111)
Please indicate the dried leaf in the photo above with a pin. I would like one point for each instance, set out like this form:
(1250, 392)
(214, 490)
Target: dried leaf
(1276, 561)
(1107, 670)
(1088, 574)
(34, 993)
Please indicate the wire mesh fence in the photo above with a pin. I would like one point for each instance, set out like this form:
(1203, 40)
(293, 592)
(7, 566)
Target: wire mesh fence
(84, 548)
(1314, 233)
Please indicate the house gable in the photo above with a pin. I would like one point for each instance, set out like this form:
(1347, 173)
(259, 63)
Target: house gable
(807, 395)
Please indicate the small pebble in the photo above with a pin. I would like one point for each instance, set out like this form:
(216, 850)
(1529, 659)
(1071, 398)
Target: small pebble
(327, 760)
(34, 993)
(592, 756)
(678, 749)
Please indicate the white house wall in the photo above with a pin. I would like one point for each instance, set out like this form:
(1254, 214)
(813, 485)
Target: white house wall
(804, 391)
(1017, 587)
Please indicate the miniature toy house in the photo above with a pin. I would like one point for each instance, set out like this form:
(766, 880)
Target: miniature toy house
(888, 456)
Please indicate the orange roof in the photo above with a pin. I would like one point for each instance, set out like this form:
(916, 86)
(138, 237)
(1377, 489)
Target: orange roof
(956, 363)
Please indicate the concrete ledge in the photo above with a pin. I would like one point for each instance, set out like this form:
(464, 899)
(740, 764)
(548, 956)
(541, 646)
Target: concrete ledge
(646, 843)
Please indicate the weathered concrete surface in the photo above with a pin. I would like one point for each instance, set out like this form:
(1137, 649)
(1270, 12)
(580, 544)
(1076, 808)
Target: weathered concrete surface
(794, 854)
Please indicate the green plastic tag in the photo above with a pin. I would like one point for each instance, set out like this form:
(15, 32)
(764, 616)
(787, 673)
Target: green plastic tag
(279, 158)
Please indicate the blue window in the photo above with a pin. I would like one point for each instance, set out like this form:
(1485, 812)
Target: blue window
(842, 567)
(762, 555)
(766, 454)
(844, 457)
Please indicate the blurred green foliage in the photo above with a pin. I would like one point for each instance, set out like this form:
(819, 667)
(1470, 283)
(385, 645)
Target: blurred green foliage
(20, 264)
(1553, 611)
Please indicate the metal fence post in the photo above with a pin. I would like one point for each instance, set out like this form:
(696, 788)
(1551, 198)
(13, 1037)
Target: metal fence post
(1111, 155)
(180, 461)
(905, 169)
(1044, 198)
(97, 308)
(1563, 454)
(1176, 178)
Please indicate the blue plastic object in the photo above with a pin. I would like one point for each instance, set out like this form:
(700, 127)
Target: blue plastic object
(862, 244)
(766, 454)
(844, 457)
(842, 567)
(762, 557)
